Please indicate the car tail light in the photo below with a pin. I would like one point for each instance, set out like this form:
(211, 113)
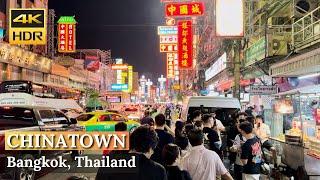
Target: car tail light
(2, 143)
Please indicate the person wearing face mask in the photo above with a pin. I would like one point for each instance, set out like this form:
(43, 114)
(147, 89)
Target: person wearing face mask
(171, 155)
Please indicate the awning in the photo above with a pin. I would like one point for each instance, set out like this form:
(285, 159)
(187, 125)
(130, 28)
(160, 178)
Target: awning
(307, 63)
(225, 85)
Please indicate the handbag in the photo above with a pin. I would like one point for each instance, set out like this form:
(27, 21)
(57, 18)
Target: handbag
(264, 166)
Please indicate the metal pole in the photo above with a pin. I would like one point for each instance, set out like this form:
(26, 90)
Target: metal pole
(237, 51)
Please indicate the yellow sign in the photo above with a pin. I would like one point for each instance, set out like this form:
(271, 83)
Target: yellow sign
(28, 26)
(176, 87)
(23, 58)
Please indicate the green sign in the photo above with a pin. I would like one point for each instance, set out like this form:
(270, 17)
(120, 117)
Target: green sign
(255, 53)
(67, 20)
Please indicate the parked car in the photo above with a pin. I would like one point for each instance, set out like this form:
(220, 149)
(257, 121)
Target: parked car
(104, 121)
(30, 118)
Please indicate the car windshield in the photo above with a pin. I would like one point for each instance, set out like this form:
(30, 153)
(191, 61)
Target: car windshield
(16, 116)
(84, 117)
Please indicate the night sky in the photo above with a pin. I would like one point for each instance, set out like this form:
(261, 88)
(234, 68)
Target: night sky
(127, 27)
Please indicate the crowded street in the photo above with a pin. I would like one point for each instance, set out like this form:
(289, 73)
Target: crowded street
(160, 90)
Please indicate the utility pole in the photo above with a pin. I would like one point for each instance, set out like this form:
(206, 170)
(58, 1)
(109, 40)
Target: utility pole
(236, 56)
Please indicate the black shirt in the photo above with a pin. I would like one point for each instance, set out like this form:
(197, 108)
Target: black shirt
(251, 150)
(210, 137)
(164, 139)
(174, 173)
(146, 170)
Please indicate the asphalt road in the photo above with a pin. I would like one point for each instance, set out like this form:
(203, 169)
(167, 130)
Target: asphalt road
(61, 175)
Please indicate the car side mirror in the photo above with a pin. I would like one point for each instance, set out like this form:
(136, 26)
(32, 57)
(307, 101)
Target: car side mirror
(73, 121)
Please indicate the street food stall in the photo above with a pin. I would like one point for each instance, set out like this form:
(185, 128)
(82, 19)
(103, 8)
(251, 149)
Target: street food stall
(297, 117)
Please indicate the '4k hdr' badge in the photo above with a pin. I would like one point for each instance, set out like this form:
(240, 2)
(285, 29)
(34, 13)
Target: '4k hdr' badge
(28, 26)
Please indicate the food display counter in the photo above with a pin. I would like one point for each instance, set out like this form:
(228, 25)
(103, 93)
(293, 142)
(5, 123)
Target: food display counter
(298, 145)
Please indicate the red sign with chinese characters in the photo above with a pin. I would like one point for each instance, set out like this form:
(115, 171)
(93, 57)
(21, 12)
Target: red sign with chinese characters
(66, 38)
(185, 47)
(184, 9)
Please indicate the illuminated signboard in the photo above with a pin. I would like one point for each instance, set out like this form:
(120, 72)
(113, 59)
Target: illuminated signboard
(119, 67)
(218, 66)
(130, 78)
(119, 87)
(28, 26)
(185, 44)
(229, 18)
(167, 30)
(66, 34)
(170, 39)
(170, 65)
(176, 67)
(119, 72)
(170, 21)
(113, 99)
(184, 9)
(168, 47)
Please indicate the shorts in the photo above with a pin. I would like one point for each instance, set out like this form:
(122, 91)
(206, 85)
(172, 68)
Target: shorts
(267, 144)
(250, 176)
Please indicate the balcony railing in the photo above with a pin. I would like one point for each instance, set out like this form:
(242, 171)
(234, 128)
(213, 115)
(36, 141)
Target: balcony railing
(306, 31)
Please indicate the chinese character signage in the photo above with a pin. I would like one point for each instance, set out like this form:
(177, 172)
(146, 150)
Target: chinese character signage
(28, 26)
(184, 9)
(170, 65)
(168, 47)
(167, 30)
(185, 40)
(130, 79)
(171, 39)
(176, 67)
(66, 34)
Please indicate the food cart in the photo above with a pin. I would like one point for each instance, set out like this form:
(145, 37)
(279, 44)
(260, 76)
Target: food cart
(297, 118)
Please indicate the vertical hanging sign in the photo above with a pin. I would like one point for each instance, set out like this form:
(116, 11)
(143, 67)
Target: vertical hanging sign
(185, 46)
(66, 34)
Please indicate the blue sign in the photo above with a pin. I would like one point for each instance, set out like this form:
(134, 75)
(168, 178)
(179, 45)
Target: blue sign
(1, 33)
(119, 87)
(167, 30)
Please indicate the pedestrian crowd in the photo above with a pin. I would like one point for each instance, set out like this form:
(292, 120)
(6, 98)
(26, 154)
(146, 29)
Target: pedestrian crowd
(193, 150)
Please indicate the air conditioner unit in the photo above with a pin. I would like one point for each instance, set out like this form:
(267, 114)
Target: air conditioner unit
(278, 45)
(303, 7)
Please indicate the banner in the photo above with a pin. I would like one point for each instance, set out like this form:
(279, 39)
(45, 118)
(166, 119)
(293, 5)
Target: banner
(185, 44)
(92, 63)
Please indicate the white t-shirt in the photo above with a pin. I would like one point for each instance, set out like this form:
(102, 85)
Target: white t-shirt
(219, 126)
(203, 164)
(237, 145)
(263, 132)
